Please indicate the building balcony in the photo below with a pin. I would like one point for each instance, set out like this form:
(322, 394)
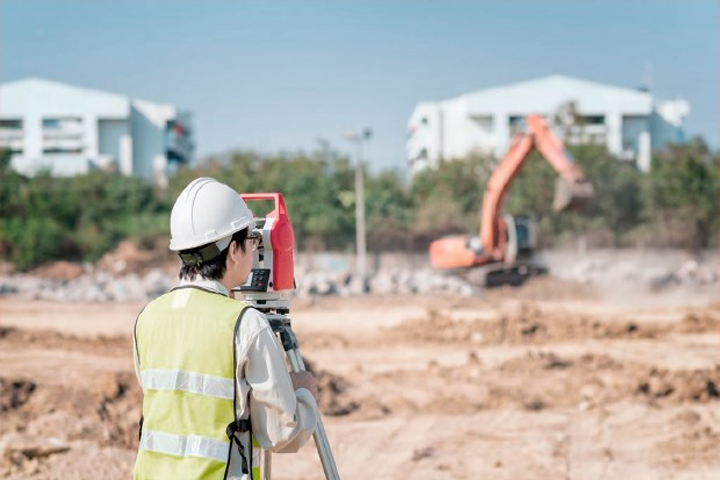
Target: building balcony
(63, 145)
(74, 133)
(10, 134)
(15, 144)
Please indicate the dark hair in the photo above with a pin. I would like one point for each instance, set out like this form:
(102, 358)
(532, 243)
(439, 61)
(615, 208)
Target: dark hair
(213, 269)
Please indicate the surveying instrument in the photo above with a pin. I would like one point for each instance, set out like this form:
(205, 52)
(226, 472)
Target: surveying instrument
(272, 277)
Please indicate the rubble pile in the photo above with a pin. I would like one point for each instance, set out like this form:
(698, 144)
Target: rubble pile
(97, 286)
(389, 282)
(103, 286)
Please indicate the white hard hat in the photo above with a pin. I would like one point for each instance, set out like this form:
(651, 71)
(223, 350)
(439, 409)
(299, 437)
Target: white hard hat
(207, 211)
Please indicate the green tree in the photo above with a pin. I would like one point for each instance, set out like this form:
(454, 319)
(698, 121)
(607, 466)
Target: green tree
(5, 157)
(449, 199)
(388, 212)
(681, 194)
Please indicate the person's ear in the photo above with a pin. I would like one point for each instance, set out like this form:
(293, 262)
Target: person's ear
(234, 252)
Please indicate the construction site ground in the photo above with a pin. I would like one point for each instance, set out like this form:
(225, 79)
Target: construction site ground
(552, 380)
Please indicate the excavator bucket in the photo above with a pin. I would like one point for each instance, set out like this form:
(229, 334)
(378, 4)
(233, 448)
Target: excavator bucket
(572, 196)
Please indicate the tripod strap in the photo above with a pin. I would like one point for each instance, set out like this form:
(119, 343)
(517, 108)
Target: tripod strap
(233, 430)
(239, 426)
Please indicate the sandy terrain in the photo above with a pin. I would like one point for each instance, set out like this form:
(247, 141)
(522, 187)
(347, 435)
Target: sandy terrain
(553, 380)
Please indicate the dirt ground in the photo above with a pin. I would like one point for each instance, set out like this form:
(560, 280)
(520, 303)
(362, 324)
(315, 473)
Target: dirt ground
(552, 380)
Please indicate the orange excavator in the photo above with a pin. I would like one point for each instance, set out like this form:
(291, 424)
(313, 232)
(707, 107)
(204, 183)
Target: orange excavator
(505, 250)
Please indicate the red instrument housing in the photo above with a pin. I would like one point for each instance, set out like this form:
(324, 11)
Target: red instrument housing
(282, 240)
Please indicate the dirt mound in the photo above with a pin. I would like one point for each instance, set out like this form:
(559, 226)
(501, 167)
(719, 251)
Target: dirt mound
(680, 386)
(530, 325)
(700, 322)
(14, 393)
(105, 411)
(13, 338)
(536, 381)
(601, 379)
(332, 392)
(118, 405)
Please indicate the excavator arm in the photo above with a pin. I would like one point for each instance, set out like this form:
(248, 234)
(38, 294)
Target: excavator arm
(572, 191)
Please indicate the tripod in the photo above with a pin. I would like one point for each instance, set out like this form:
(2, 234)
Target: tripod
(272, 274)
(277, 313)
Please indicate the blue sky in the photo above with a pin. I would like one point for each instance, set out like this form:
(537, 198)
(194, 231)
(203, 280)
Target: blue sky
(278, 76)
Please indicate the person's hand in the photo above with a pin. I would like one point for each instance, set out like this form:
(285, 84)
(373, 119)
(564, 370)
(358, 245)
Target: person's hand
(305, 380)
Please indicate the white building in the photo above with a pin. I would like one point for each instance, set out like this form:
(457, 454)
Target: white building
(69, 130)
(629, 122)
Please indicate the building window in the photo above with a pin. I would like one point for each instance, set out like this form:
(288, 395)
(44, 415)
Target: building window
(593, 119)
(11, 135)
(62, 135)
(51, 123)
(61, 123)
(423, 121)
(11, 124)
(516, 123)
(63, 150)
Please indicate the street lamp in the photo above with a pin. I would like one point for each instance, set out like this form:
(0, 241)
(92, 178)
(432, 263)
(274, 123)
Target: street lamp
(361, 258)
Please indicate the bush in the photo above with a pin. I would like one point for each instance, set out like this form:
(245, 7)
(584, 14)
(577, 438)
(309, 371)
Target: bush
(31, 242)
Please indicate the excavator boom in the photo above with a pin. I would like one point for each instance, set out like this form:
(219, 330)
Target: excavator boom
(572, 191)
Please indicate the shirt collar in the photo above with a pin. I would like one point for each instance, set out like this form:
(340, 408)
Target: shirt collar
(207, 284)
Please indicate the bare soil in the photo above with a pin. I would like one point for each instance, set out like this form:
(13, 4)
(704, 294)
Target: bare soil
(549, 380)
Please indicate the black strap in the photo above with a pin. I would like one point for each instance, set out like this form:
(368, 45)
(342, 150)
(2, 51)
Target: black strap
(232, 430)
(238, 425)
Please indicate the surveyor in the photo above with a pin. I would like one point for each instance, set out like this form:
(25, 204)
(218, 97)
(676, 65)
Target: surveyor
(214, 378)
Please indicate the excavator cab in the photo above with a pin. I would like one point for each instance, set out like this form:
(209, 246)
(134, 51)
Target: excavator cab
(521, 239)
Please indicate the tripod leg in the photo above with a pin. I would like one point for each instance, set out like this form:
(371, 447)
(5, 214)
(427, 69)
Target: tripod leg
(321, 442)
(267, 465)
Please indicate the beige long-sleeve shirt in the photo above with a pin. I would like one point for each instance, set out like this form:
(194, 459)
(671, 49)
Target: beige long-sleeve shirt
(283, 419)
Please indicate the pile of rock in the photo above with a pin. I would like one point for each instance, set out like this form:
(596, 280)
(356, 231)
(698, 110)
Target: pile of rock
(96, 286)
(388, 282)
(103, 286)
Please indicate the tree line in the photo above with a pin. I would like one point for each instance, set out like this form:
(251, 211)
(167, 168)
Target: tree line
(79, 218)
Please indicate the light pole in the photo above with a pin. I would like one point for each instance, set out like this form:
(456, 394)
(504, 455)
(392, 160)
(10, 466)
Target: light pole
(361, 248)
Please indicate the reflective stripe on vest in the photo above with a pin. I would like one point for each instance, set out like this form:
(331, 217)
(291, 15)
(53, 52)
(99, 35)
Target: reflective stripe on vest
(185, 342)
(191, 382)
(184, 446)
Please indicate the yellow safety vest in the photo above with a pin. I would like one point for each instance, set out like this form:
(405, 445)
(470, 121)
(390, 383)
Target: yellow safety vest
(186, 352)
